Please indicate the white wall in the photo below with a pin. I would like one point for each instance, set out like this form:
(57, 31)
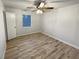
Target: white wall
(35, 20)
(63, 24)
(2, 33)
(20, 30)
(35, 26)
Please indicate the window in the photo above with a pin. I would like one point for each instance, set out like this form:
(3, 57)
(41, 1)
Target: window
(26, 21)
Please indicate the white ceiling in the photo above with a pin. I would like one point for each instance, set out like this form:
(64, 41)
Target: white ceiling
(22, 4)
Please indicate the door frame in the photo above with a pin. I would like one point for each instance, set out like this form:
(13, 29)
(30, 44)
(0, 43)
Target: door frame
(5, 25)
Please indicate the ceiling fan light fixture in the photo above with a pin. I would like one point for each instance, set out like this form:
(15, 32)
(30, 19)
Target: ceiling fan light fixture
(39, 11)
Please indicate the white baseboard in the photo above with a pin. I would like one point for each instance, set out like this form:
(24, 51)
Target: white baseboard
(77, 47)
(27, 34)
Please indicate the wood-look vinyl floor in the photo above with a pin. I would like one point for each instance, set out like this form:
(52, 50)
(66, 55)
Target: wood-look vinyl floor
(39, 46)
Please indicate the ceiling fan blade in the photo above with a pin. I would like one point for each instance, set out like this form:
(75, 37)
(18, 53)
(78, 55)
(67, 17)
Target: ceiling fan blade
(31, 6)
(48, 8)
(34, 10)
(57, 1)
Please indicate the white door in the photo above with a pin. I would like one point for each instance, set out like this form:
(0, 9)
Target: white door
(11, 25)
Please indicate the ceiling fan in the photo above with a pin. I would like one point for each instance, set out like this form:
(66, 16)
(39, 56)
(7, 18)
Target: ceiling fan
(40, 6)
